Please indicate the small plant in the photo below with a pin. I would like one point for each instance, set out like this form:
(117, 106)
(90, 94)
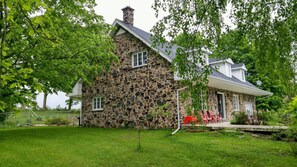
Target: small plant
(57, 121)
(39, 119)
(239, 118)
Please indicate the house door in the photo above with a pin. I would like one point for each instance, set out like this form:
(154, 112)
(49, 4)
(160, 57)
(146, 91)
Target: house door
(221, 107)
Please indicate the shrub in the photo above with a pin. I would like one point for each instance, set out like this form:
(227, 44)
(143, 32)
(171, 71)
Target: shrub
(39, 119)
(57, 121)
(239, 118)
(3, 116)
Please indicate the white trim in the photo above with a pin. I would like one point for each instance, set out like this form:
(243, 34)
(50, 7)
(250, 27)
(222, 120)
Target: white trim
(256, 90)
(239, 68)
(223, 61)
(250, 113)
(101, 105)
(164, 55)
(121, 31)
(237, 102)
(142, 61)
(224, 104)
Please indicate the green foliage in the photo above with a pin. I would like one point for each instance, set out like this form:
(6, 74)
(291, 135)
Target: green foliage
(157, 111)
(48, 46)
(240, 118)
(292, 110)
(57, 121)
(236, 46)
(265, 40)
(3, 117)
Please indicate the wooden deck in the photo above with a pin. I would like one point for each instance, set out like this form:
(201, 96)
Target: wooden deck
(246, 128)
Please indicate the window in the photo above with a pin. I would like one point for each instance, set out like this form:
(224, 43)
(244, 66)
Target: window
(243, 75)
(139, 59)
(236, 103)
(98, 103)
(228, 70)
(249, 108)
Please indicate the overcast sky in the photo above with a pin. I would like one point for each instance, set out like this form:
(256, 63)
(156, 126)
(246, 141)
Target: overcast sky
(144, 18)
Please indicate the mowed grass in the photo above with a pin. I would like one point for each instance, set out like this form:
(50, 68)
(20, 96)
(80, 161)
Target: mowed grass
(79, 147)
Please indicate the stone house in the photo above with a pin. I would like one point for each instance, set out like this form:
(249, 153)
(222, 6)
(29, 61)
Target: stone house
(142, 83)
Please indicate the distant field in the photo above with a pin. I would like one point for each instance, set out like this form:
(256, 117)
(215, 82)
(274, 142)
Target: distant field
(25, 118)
(93, 147)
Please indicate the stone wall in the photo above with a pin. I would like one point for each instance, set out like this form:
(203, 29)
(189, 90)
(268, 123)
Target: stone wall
(228, 95)
(132, 95)
(213, 101)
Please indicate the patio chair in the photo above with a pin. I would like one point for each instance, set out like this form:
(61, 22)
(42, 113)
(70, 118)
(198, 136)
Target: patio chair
(213, 116)
(190, 120)
(204, 117)
(207, 115)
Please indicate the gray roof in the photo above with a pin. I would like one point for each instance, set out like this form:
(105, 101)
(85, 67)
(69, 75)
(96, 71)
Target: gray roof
(213, 60)
(237, 65)
(147, 36)
(216, 73)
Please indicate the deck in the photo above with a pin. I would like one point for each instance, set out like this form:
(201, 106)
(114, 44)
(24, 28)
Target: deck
(246, 128)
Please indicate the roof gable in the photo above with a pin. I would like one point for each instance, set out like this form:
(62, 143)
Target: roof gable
(145, 37)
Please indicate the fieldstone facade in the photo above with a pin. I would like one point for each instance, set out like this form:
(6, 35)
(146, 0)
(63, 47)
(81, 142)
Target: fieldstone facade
(228, 95)
(133, 97)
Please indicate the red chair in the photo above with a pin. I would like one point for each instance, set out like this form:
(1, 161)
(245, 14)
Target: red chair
(190, 120)
(213, 116)
(204, 117)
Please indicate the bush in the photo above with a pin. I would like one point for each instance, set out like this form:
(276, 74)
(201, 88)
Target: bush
(239, 118)
(57, 121)
(3, 116)
(290, 136)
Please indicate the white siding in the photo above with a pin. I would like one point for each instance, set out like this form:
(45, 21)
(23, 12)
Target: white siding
(239, 74)
(224, 68)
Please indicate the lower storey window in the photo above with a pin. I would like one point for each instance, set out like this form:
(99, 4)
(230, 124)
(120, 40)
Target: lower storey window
(98, 103)
(235, 101)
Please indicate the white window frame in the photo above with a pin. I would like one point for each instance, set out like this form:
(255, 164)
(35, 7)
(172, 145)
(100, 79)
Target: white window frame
(235, 103)
(228, 70)
(141, 55)
(251, 111)
(243, 75)
(94, 104)
(224, 104)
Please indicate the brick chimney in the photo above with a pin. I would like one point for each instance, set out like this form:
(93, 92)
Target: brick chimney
(128, 15)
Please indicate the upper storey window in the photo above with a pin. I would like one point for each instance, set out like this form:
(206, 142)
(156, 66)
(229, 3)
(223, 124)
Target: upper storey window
(139, 59)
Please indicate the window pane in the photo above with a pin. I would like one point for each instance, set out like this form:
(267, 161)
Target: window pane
(135, 60)
(139, 59)
(144, 58)
(102, 102)
(98, 103)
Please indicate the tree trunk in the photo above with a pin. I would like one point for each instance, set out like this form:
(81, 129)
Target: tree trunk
(70, 103)
(44, 101)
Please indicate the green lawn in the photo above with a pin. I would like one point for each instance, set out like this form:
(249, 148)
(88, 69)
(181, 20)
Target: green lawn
(73, 146)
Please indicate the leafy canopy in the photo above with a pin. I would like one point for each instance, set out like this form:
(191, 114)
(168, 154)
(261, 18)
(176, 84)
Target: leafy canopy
(48, 45)
(269, 25)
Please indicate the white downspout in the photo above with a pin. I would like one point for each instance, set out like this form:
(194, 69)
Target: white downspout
(80, 113)
(177, 108)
